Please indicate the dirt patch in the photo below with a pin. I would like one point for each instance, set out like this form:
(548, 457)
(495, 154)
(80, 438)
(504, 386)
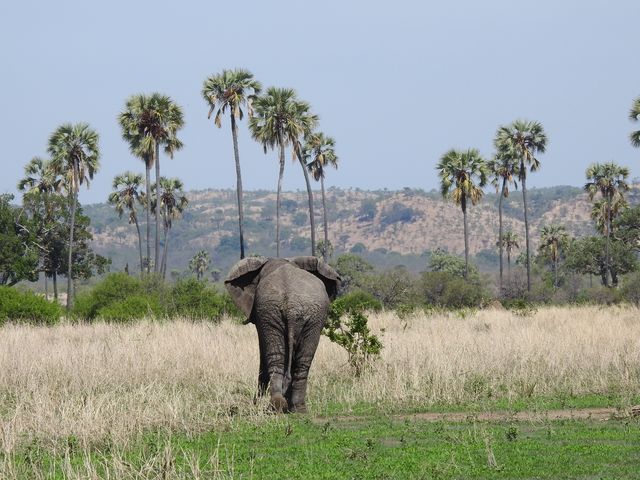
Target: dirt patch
(599, 414)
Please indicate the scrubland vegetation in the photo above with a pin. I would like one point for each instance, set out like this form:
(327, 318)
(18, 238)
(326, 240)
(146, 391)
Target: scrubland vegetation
(88, 398)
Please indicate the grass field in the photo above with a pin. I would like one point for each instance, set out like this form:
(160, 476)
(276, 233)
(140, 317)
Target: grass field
(175, 400)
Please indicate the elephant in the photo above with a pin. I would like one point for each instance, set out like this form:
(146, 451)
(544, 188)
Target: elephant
(288, 301)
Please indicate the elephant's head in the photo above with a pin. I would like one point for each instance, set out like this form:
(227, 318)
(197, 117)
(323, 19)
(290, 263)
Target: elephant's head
(245, 275)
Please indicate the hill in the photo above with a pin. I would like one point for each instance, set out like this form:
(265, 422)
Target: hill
(387, 227)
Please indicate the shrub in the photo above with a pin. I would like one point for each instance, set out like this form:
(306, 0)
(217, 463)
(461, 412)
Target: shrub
(115, 288)
(347, 326)
(520, 307)
(443, 289)
(352, 270)
(230, 307)
(83, 306)
(392, 286)
(131, 308)
(20, 306)
(193, 299)
(631, 289)
(120, 297)
(442, 261)
(599, 295)
(356, 301)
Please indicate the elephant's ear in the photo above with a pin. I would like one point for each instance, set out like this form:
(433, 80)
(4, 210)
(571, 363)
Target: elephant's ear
(241, 282)
(322, 270)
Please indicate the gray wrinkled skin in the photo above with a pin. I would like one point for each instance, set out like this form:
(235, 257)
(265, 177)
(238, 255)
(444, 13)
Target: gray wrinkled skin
(289, 310)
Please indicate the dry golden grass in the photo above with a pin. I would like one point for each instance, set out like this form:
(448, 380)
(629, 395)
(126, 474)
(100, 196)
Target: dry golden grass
(109, 382)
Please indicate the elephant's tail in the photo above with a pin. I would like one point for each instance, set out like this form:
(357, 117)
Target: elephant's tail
(286, 382)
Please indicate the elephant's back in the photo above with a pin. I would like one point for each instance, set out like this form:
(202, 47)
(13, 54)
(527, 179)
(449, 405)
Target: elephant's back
(294, 290)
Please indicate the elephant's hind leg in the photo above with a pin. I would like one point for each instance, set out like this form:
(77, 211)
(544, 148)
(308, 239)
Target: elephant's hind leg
(272, 360)
(303, 354)
(263, 374)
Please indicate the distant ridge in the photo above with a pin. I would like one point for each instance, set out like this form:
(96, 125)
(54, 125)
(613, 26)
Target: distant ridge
(395, 224)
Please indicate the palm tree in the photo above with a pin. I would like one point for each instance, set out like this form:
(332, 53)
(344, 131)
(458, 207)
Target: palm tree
(318, 152)
(600, 214)
(307, 122)
(74, 155)
(147, 123)
(634, 115)
(510, 240)
(41, 178)
(458, 173)
(554, 239)
(521, 141)
(232, 89)
(281, 120)
(503, 171)
(200, 263)
(608, 179)
(172, 204)
(134, 130)
(127, 195)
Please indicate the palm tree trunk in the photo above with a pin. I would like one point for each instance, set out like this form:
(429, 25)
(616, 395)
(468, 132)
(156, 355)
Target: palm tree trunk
(46, 254)
(72, 222)
(523, 179)
(509, 265)
(324, 220)
(163, 267)
(148, 212)
(55, 286)
(157, 250)
(500, 234)
(280, 175)
(607, 261)
(234, 134)
(466, 237)
(555, 271)
(139, 242)
(312, 217)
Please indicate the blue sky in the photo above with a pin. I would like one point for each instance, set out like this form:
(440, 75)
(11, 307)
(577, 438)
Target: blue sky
(395, 83)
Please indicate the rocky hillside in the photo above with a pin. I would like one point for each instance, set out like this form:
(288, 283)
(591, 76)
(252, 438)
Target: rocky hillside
(391, 227)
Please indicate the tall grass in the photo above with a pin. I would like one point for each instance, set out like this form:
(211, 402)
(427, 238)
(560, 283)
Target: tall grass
(453, 359)
(110, 383)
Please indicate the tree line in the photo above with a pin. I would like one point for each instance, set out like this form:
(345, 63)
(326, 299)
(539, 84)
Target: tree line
(278, 120)
(464, 173)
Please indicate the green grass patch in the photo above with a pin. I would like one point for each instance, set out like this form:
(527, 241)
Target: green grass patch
(620, 400)
(375, 447)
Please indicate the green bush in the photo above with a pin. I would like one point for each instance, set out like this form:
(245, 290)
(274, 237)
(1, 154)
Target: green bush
(131, 308)
(348, 327)
(123, 298)
(17, 306)
(631, 288)
(355, 301)
(599, 296)
(444, 289)
(193, 299)
(83, 306)
(230, 307)
(520, 307)
(115, 288)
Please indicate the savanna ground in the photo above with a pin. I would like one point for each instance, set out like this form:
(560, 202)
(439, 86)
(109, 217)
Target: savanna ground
(546, 395)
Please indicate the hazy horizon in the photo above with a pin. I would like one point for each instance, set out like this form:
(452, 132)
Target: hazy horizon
(396, 85)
